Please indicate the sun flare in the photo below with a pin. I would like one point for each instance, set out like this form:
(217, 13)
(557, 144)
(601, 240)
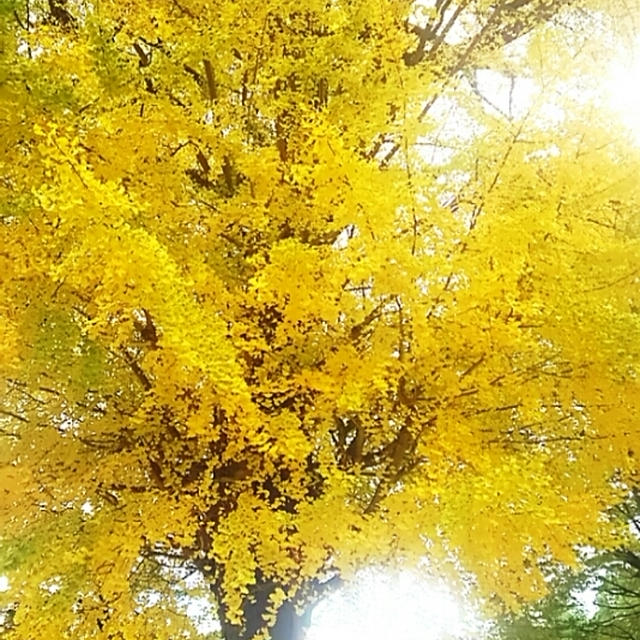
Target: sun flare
(622, 88)
(381, 606)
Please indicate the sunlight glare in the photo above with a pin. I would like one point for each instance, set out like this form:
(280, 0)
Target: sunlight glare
(622, 87)
(379, 606)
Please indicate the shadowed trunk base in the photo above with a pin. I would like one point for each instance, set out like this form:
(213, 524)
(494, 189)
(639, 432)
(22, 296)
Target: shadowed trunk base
(289, 625)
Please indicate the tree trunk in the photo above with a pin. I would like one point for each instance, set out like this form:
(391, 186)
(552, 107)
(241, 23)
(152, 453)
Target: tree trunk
(289, 625)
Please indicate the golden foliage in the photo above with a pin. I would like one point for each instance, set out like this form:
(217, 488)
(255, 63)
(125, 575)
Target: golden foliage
(267, 314)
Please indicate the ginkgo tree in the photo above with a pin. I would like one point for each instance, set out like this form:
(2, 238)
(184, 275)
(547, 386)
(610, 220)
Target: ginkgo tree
(286, 292)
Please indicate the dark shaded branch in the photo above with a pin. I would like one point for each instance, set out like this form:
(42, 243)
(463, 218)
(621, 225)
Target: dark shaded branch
(211, 80)
(11, 414)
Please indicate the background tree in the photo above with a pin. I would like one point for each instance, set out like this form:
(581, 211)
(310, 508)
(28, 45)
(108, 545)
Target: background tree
(600, 601)
(250, 329)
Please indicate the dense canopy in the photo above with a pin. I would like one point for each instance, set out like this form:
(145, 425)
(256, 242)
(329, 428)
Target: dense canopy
(289, 288)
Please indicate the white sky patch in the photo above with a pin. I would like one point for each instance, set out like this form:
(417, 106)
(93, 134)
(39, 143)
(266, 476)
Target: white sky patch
(587, 600)
(382, 606)
(456, 128)
(463, 29)
(25, 50)
(87, 508)
(465, 25)
(53, 585)
(4, 584)
(201, 611)
(67, 422)
(621, 84)
(510, 96)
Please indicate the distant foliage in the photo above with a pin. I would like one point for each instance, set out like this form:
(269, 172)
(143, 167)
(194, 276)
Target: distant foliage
(599, 602)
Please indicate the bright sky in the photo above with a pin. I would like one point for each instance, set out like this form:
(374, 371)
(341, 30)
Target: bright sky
(622, 85)
(381, 606)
